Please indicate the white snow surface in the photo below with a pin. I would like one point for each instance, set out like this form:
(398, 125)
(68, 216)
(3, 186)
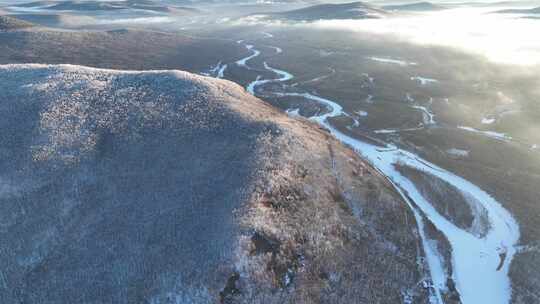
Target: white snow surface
(423, 80)
(361, 113)
(392, 61)
(277, 49)
(293, 112)
(490, 134)
(221, 72)
(458, 152)
(283, 76)
(385, 131)
(488, 121)
(475, 259)
(369, 99)
(243, 62)
(217, 71)
(428, 117)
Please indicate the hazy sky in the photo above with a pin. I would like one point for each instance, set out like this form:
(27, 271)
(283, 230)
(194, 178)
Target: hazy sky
(500, 37)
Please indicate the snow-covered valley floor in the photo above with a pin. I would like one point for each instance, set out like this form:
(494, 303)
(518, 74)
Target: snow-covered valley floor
(480, 264)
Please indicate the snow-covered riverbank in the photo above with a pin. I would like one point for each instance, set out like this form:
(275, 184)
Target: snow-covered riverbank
(480, 264)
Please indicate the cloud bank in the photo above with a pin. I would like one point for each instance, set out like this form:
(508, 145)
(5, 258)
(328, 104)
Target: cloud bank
(502, 38)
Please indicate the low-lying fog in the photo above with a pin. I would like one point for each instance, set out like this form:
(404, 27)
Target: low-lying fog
(505, 38)
(474, 27)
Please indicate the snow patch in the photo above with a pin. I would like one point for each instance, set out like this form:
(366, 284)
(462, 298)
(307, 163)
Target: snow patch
(293, 112)
(458, 152)
(392, 61)
(424, 81)
(361, 113)
(490, 134)
(428, 117)
(217, 71)
(369, 99)
(277, 49)
(385, 131)
(254, 53)
(488, 121)
(408, 97)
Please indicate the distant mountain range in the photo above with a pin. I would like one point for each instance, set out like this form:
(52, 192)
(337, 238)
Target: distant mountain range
(75, 5)
(354, 10)
(9, 23)
(532, 11)
(417, 6)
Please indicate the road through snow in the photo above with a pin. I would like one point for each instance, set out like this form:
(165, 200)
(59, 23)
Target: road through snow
(480, 264)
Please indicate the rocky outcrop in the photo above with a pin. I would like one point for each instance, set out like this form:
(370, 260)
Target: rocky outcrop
(353, 10)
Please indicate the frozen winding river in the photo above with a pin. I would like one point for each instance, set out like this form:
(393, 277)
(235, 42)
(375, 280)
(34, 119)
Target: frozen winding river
(480, 264)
